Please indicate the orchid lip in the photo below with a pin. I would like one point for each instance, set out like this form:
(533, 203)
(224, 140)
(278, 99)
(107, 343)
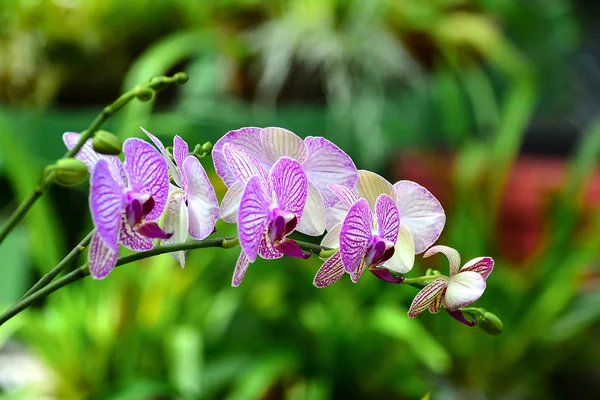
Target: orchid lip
(282, 223)
(381, 251)
(138, 206)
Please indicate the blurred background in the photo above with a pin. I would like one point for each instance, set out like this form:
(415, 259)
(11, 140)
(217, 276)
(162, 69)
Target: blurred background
(490, 104)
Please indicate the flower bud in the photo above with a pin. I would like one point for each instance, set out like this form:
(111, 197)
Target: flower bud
(490, 323)
(106, 143)
(144, 93)
(181, 78)
(70, 171)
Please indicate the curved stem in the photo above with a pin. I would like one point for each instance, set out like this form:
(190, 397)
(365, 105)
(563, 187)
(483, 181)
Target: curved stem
(420, 279)
(83, 271)
(155, 84)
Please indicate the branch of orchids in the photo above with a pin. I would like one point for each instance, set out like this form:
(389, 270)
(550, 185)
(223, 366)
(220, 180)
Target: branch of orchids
(32, 296)
(143, 92)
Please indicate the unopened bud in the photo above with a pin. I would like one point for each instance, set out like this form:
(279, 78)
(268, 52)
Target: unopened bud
(144, 93)
(70, 171)
(181, 78)
(106, 143)
(207, 147)
(490, 323)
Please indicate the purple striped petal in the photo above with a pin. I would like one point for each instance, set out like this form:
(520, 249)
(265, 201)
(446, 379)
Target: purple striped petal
(253, 217)
(482, 265)
(463, 289)
(355, 235)
(344, 195)
(148, 173)
(267, 250)
(152, 230)
(176, 221)
(107, 202)
(163, 151)
(88, 155)
(458, 315)
(279, 142)
(355, 276)
(291, 249)
(450, 253)
(326, 163)
(436, 305)
(248, 140)
(241, 266)
(202, 200)
(180, 151)
(386, 275)
(314, 216)
(421, 212)
(388, 219)
(102, 259)
(370, 185)
(131, 239)
(244, 166)
(426, 296)
(230, 204)
(331, 271)
(290, 185)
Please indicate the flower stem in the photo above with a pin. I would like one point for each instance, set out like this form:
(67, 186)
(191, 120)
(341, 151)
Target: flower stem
(419, 279)
(155, 84)
(83, 271)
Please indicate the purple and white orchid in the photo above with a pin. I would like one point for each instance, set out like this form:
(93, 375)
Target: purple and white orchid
(192, 206)
(322, 161)
(271, 206)
(464, 286)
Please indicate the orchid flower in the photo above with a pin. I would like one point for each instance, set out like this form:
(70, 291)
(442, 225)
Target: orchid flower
(125, 201)
(271, 206)
(322, 161)
(192, 206)
(464, 286)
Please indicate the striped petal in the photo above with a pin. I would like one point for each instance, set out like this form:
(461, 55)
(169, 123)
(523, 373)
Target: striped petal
(450, 253)
(388, 219)
(426, 296)
(244, 166)
(436, 305)
(176, 221)
(355, 235)
(148, 173)
(343, 194)
(421, 212)
(463, 289)
(290, 185)
(88, 155)
(102, 259)
(266, 248)
(355, 276)
(332, 237)
(230, 204)
(482, 265)
(132, 239)
(248, 140)
(314, 217)
(253, 217)
(202, 200)
(241, 266)
(172, 167)
(326, 163)
(404, 252)
(279, 142)
(107, 202)
(370, 185)
(331, 271)
(180, 151)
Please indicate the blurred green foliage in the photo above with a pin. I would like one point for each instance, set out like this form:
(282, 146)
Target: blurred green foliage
(374, 77)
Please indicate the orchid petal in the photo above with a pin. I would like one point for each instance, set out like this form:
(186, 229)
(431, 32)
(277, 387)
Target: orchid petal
(331, 271)
(388, 219)
(335, 215)
(370, 185)
(426, 296)
(132, 239)
(482, 265)
(148, 173)
(332, 237)
(202, 200)
(172, 167)
(253, 217)
(314, 216)
(180, 151)
(343, 194)
(241, 266)
(152, 230)
(355, 276)
(176, 221)
(421, 212)
(107, 202)
(102, 259)
(248, 140)
(291, 249)
(403, 258)
(244, 166)
(458, 315)
(355, 235)
(279, 142)
(267, 249)
(436, 305)
(231, 203)
(386, 275)
(463, 289)
(290, 185)
(327, 163)
(451, 254)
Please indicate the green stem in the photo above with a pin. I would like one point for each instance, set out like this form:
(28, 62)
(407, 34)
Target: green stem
(427, 278)
(83, 271)
(155, 84)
